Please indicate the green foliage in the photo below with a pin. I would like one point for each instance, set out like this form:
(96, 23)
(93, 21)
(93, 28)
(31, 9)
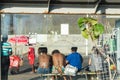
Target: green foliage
(85, 34)
(90, 28)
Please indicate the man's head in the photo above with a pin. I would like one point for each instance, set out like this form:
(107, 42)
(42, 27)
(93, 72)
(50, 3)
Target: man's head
(74, 49)
(95, 49)
(42, 50)
(4, 38)
(55, 51)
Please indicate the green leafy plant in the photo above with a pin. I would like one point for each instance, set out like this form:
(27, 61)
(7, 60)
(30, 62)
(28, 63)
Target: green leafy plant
(90, 27)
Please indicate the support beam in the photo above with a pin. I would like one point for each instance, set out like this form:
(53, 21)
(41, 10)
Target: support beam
(97, 5)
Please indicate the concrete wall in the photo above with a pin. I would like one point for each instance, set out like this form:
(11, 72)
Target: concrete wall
(60, 42)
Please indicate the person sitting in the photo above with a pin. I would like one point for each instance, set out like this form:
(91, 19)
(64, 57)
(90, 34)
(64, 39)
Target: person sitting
(44, 61)
(58, 62)
(74, 60)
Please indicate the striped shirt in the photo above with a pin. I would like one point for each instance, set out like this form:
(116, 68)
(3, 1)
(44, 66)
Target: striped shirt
(6, 49)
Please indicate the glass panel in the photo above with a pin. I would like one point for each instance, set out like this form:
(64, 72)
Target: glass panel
(37, 23)
(118, 44)
(48, 27)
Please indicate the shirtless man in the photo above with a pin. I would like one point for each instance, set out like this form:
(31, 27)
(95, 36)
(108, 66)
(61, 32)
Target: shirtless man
(44, 61)
(58, 62)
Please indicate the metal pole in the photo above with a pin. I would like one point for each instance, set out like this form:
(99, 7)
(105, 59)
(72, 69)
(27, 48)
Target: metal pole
(86, 47)
(118, 50)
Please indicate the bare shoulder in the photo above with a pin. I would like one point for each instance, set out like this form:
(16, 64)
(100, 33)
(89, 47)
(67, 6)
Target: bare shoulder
(56, 55)
(43, 55)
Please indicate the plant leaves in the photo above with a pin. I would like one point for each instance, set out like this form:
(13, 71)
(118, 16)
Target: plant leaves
(98, 29)
(96, 33)
(94, 28)
(96, 37)
(92, 21)
(83, 27)
(85, 34)
(81, 22)
(92, 36)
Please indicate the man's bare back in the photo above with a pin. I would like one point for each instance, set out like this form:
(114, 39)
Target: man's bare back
(58, 61)
(44, 60)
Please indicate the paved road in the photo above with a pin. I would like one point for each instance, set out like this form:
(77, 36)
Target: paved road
(24, 73)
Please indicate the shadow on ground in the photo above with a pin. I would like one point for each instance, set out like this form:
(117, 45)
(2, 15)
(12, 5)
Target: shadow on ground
(60, 78)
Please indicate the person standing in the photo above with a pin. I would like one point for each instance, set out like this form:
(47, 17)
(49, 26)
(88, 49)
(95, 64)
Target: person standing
(95, 63)
(95, 60)
(31, 58)
(5, 61)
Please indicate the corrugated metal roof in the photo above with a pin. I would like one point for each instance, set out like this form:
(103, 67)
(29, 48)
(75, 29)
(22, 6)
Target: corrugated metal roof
(24, 10)
(61, 6)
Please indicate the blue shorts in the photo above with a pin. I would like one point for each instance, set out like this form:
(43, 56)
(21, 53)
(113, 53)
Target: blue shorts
(43, 70)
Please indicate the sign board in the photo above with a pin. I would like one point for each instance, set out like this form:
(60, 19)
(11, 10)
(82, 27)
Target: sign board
(64, 29)
(41, 38)
(32, 39)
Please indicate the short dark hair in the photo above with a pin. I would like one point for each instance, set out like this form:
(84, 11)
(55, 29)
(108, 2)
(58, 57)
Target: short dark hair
(95, 49)
(55, 51)
(5, 37)
(74, 49)
(42, 50)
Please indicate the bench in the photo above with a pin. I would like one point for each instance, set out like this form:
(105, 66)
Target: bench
(82, 72)
(79, 73)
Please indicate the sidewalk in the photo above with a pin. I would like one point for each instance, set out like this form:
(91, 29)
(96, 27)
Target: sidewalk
(25, 73)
